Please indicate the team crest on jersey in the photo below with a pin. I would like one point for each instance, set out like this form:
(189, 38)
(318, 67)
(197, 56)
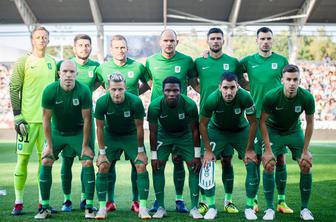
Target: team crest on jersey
(90, 74)
(237, 111)
(177, 69)
(181, 116)
(19, 146)
(75, 102)
(274, 65)
(49, 66)
(226, 66)
(127, 114)
(130, 74)
(297, 109)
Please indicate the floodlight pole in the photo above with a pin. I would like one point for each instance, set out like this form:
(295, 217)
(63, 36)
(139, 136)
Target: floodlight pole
(164, 14)
(97, 18)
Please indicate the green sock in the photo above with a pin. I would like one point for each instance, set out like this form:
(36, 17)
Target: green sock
(83, 196)
(39, 159)
(89, 204)
(210, 197)
(20, 176)
(135, 191)
(228, 197)
(101, 186)
(227, 178)
(67, 197)
(193, 187)
(281, 179)
(281, 198)
(143, 203)
(45, 184)
(89, 180)
(179, 197)
(251, 183)
(249, 202)
(268, 184)
(305, 188)
(102, 204)
(203, 197)
(82, 181)
(111, 182)
(143, 185)
(159, 184)
(179, 176)
(66, 174)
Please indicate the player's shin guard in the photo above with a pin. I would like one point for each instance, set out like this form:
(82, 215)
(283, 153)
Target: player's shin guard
(251, 183)
(159, 184)
(305, 189)
(135, 190)
(281, 180)
(268, 184)
(193, 187)
(89, 180)
(101, 186)
(143, 187)
(111, 182)
(45, 184)
(178, 176)
(66, 174)
(20, 176)
(227, 178)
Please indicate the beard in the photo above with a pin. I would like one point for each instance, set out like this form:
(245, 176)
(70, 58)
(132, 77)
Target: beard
(216, 50)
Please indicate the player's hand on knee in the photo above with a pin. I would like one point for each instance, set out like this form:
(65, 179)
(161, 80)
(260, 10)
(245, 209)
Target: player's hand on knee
(86, 151)
(268, 161)
(142, 157)
(306, 161)
(196, 165)
(102, 158)
(21, 126)
(250, 156)
(208, 157)
(155, 165)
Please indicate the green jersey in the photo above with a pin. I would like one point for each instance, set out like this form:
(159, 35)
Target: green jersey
(119, 118)
(181, 66)
(173, 120)
(30, 76)
(228, 116)
(210, 70)
(284, 112)
(264, 74)
(132, 71)
(87, 73)
(67, 106)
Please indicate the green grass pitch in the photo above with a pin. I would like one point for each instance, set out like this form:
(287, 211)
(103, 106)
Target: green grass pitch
(321, 203)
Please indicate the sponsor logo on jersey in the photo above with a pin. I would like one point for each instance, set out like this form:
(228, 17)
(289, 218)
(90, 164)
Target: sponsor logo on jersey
(298, 109)
(274, 65)
(237, 110)
(127, 113)
(226, 66)
(181, 116)
(75, 102)
(49, 66)
(130, 74)
(177, 69)
(90, 74)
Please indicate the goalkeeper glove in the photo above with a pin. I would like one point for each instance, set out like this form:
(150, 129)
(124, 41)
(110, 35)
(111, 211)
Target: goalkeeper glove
(21, 126)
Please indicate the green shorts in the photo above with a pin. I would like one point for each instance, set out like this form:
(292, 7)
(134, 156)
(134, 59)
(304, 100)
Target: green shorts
(280, 141)
(116, 144)
(70, 143)
(35, 137)
(224, 143)
(181, 145)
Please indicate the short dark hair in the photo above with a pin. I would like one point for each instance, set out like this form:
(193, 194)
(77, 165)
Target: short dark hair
(38, 28)
(82, 36)
(215, 30)
(171, 79)
(228, 76)
(290, 68)
(264, 30)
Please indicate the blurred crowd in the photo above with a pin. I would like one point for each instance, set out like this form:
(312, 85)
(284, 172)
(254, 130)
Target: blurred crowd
(318, 77)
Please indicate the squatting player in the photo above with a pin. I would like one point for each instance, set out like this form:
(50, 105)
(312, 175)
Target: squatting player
(87, 75)
(280, 126)
(170, 62)
(209, 71)
(264, 70)
(133, 72)
(225, 109)
(173, 126)
(119, 119)
(31, 74)
(67, 126)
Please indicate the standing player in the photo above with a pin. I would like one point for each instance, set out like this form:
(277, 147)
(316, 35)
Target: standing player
(87, 75)
(119, 118)
(264, 70)
(161, 65)
(30, 75)
(173, 125)
(225, 109)
(133, 72)
(280, 126)
(68, 103)
(209, 71)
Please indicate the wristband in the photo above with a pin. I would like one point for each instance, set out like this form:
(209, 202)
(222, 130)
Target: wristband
(102, 151)
(197, 152)
(154, 155)
(141, 149)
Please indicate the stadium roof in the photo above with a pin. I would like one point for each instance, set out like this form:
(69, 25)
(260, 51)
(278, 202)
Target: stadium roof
(221, 12)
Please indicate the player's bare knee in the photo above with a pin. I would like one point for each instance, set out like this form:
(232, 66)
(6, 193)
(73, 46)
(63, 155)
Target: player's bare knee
(177, 159)
(304, 167)
(103, 168)
(140, 168)
(47, 162)
(87, 163)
